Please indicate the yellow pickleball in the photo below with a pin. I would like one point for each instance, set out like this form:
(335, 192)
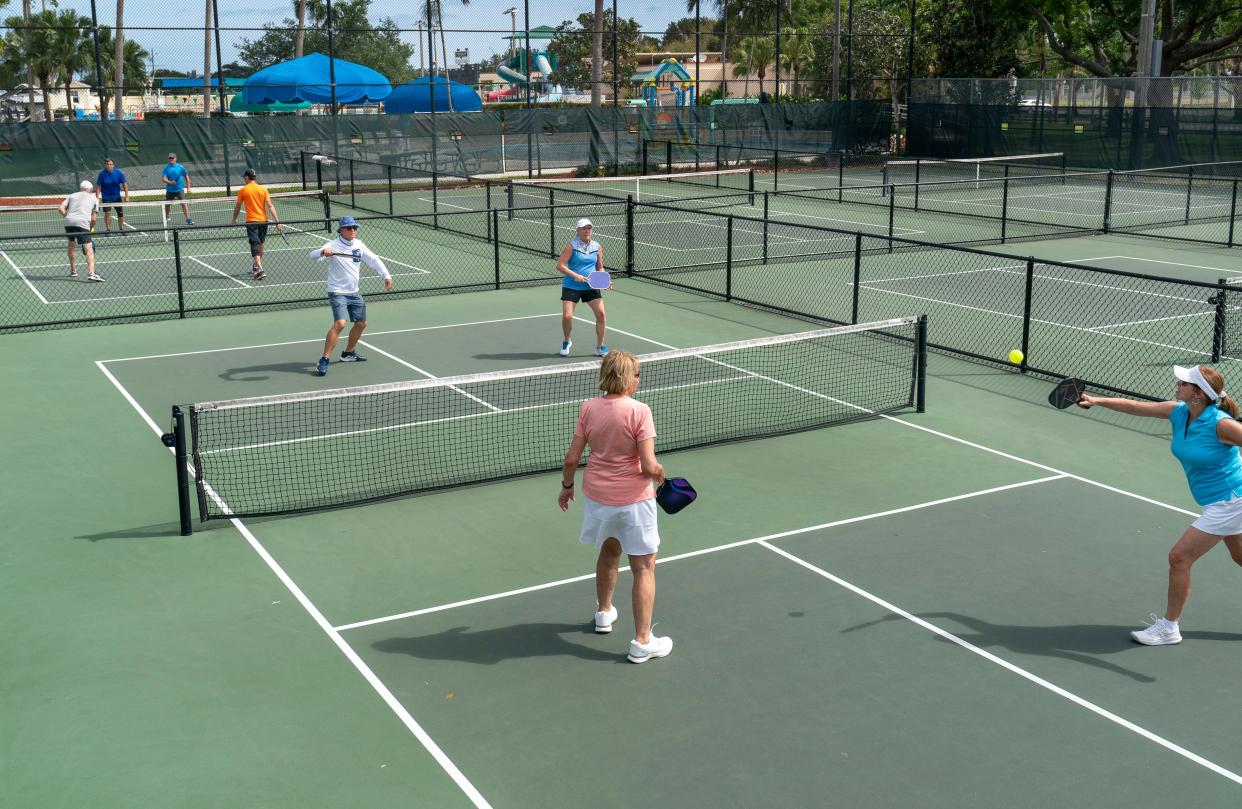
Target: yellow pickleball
(1016, 357)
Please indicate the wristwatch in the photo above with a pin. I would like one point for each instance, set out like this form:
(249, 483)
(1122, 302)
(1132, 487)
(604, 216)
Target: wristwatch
(565, 485)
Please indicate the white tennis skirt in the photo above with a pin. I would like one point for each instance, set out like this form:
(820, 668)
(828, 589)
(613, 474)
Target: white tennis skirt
(1221, 519)
(633, 525)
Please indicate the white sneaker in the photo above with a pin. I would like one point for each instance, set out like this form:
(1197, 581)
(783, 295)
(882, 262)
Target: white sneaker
(656, 647)
(604, 620)
(95, 278)
(1160, 633)
(565, 346)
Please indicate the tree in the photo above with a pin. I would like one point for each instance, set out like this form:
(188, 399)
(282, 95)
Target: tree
(118, 62)
(679, 35)
(759, 55)
(572, 47)
(71, 50)
(354, 38)
(133, 71)
(597, 53)
(1102, 38)
(299, 39)
(30, 45)
(797, 54)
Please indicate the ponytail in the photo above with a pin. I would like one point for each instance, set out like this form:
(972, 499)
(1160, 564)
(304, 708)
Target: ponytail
(1213, 378)
(1227, 404)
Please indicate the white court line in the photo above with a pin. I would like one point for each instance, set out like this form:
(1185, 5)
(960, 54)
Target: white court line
(1157, 261)
(22, 276)
(428, 374)
(320, 339)
(213, 269)
(1151, 320)
(317, 616)
(1018, 670)
(701, 552)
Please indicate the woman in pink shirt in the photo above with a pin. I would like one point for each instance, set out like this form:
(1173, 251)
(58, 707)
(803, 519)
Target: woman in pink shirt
(619, 509)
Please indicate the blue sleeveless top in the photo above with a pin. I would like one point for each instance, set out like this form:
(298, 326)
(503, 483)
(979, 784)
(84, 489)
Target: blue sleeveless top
(1212, 468)
(582, 260)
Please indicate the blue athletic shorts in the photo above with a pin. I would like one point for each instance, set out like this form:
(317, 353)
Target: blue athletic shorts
(347, 307)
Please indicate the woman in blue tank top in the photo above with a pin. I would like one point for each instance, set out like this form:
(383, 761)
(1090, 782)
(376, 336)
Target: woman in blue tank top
(581, 257)
(1206, 437)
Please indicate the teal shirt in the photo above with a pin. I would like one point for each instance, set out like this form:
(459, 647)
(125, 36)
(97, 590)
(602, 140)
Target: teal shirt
(176, 172)
(1212, 468)
(583, 259)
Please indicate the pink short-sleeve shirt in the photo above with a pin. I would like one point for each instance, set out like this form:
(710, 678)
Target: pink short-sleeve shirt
(613, 427)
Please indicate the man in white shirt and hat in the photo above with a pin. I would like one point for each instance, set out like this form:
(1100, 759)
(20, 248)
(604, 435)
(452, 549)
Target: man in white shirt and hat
(80, 210)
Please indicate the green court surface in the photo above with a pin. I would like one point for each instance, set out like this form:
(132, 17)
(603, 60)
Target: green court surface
(930, 609)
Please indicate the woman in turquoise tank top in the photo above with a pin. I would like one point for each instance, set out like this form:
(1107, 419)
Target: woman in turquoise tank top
(1206, 437)
(581, 257)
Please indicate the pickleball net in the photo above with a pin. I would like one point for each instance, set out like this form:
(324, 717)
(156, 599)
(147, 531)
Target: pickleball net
(314, 450)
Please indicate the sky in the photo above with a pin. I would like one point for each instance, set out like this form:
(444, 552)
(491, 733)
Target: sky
(183, 50)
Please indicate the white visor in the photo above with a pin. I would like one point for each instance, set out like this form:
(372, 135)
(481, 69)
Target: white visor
(583, 223)
(1195, 377)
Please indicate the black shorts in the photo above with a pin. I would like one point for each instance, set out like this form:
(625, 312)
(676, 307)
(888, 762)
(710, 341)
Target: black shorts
(256, 234)
(82, 235)
(174, 195)
(109, 204)
(580, 295)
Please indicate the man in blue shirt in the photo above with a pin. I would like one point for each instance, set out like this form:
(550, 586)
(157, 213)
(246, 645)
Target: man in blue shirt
(176, 186)
(108, 186)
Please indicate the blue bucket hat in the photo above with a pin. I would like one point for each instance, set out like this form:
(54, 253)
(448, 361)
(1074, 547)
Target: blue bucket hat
(347, 222)
(675, 494)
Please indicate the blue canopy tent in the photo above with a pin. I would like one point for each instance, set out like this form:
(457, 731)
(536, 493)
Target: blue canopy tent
(415, 96)
(307, 79)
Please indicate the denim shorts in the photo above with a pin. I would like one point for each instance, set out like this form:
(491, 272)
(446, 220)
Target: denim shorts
(345, 304)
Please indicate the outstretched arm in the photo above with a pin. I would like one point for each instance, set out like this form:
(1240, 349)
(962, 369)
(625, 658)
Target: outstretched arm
(1155, 410)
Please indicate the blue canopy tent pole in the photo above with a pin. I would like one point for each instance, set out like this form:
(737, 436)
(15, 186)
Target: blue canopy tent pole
(220, 122)
(336, 140)
(431, 86)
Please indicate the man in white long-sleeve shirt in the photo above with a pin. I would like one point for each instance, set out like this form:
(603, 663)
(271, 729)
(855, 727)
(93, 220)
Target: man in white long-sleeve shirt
(344, 255)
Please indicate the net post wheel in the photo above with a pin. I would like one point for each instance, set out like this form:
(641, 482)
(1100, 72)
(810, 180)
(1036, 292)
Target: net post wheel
(1016, 356)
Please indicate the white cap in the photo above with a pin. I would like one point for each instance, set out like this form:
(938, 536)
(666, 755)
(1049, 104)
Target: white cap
(1195, 377)
(85, 185)
(583, 223)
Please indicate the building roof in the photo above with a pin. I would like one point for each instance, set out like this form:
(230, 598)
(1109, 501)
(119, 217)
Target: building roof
(539, 32)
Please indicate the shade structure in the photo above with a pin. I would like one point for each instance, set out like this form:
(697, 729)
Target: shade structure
(415, 96)
(308, 79)
(236, 104)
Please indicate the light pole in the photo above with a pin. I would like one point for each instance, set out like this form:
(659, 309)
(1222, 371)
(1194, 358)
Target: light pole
(512, 12)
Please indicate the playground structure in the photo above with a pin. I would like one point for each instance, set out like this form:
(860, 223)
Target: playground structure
(670, 79)
(541, 62)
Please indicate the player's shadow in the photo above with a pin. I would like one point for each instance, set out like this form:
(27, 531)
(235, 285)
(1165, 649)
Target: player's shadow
(488, 647)
(164, 530)
(517, 355)
(259, 373)
(1081, 643)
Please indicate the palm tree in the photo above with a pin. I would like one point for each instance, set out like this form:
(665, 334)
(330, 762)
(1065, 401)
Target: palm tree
(722, 8)
(797, 54)
(133, 71)
(118, 61)
(30, 46)
(299, 38)
(597, 54)
(759, 59)
(27, 46)
(71, 49)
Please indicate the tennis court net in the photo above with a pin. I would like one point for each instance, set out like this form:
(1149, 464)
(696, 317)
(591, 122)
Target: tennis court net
(920, 170)
(154, 220)
(284, 454)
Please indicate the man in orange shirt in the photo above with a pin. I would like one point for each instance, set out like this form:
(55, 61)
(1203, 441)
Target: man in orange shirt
(257, 203)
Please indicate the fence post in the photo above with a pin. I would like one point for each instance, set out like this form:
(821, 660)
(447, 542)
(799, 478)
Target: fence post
(180, 274)
(1221, 302)
(496, 244)
(1108, 202)
(892, 196)
(765, 227)
(920, 362)
(668, 156)
(388, 171)
(302, 167)
(1026, 314)
(551, 222)
(1233, 211)
(840, 173)
(1190, 180)
(857, 276)
(645, 156)
(353, 192)
(776, 169)
(629, 235)
(1005, 206)
(319, 174)
(729, 259)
